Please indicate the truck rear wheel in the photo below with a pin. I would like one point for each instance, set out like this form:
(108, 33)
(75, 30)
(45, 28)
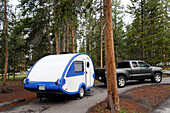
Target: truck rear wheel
(81, 94)
(121, 81)
(157, 78)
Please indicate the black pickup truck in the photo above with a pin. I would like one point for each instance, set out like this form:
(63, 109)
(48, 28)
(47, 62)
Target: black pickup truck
(131, 70)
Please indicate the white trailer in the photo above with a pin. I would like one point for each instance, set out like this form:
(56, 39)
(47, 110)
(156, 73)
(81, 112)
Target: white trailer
(64, 73)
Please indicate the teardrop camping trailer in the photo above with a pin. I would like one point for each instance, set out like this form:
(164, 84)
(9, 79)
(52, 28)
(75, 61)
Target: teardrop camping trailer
(64, 73)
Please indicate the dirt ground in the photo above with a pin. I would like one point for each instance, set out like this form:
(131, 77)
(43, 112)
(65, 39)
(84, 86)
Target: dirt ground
(139, 100)
(18, 92)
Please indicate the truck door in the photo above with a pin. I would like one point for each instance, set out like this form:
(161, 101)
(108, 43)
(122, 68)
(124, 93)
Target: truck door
(144, 69)
(87, 73)
(135, 69)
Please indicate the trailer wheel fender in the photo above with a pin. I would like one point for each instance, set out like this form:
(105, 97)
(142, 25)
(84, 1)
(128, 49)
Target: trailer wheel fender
(81, 91)
(63, 81)
(82, 85)
(93, 75)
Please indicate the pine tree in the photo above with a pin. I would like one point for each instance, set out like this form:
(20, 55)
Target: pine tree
(6, 46)
(147, 33)
(118, 31)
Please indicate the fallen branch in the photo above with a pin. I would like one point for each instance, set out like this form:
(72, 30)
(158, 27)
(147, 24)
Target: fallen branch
(11, 102)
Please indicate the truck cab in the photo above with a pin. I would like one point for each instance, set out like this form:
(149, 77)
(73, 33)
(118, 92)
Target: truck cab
(133, 70)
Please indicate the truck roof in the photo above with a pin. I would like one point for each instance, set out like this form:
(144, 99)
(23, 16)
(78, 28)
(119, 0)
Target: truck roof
(131, 61)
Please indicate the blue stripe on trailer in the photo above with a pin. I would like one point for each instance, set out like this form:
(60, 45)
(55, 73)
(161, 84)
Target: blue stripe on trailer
(49, 86)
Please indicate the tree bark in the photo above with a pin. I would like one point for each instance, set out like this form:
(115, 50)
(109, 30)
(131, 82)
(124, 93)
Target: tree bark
(56, 42)
(48, 36)
(56, 36)
(64, 37)
(110, 58)
(67, 36)
(6, 44)
(142, 27)
(72, 34)
(89, 43)
(101, 38)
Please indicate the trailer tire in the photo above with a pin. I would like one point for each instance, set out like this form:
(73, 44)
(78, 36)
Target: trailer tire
(81, 94)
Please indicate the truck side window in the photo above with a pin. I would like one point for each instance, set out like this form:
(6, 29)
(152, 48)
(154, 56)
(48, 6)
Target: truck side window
(134, 64)
(123, 65)
(88, 64)
(142, 64)
(78, 66)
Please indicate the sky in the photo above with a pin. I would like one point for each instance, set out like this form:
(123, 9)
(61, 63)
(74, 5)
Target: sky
(127, 19)
(14, 3)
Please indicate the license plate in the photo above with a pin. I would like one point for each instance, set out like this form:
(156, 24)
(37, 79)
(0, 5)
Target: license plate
(41, 87)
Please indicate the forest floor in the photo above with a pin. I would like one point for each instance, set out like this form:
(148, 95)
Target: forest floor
(18, 91)
(136, 100)
(139, 100)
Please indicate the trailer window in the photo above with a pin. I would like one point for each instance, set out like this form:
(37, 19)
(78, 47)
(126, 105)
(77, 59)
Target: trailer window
(88, 64)
(78, 66)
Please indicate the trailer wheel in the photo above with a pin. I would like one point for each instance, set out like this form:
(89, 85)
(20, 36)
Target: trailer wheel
(81, 94)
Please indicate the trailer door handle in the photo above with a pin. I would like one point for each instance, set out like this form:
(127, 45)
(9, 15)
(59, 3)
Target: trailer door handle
(86, 72)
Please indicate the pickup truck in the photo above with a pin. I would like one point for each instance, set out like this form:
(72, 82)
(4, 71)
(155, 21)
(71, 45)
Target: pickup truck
(131, 70)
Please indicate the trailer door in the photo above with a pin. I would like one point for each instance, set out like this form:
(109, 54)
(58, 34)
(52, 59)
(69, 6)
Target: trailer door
(87, 73)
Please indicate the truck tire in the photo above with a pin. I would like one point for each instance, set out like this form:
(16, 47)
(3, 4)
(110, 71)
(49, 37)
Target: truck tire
(81, 94)
(157, 78)
(121, 81)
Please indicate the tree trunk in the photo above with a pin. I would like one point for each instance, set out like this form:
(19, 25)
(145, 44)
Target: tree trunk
(110, 58)
(6, 44)
(56, 36)
(49, 41)
(48, 36)
(101, 38)
(89, 39)
(142, 27)
(72, 34)
(64, 37)
(56, 42)
(67, 37)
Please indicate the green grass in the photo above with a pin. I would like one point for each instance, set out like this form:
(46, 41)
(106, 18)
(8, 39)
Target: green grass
(13, 82)
(122, 111)
(20, 76)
